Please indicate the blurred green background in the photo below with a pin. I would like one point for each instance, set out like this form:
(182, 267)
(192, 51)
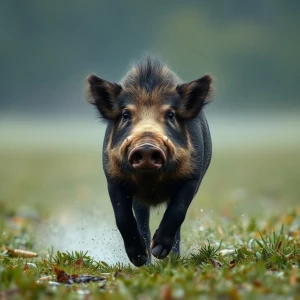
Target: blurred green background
(48, 48)
(50, 138)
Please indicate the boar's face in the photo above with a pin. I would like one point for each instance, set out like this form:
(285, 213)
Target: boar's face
(147, 114)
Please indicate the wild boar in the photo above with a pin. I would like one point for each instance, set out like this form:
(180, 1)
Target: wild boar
(157, 148)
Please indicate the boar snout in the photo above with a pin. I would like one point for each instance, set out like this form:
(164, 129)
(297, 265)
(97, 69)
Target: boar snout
(147, 157)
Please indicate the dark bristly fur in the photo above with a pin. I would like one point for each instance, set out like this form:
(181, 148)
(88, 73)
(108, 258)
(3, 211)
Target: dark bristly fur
(157, 149)
(149, 75)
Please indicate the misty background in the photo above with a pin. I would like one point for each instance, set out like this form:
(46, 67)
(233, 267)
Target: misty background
(49, 47)
(51, 138)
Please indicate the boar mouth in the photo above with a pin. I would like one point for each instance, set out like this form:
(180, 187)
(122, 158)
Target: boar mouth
(147, 157)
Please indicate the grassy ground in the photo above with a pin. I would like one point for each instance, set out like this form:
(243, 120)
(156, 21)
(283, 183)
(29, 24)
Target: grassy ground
(246, 217)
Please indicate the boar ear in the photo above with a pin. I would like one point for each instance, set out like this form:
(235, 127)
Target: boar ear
(103, 95)
(194, 95)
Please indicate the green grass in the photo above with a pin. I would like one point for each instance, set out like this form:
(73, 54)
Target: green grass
(246, 216)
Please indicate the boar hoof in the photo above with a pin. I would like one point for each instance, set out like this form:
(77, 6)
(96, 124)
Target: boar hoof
(160, 252)
(140, 260)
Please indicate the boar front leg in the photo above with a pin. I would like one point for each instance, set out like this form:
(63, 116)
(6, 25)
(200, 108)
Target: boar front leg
(134, 243)
(176, 244)
(142, 215)
(164, 237)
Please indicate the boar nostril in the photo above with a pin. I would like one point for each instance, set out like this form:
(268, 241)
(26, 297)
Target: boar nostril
(156, 157)
(137, 157)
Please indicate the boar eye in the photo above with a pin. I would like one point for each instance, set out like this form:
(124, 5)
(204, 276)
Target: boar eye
(171, 115)
(125, 115)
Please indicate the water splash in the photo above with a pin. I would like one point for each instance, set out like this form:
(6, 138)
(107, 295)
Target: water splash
(87, 228)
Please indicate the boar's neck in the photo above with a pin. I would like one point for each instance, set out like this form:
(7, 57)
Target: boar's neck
(150, 190)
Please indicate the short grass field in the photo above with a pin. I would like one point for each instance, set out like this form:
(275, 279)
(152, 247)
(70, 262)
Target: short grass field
(240, 240)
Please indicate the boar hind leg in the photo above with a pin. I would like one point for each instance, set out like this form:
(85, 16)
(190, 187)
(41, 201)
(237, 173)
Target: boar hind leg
(165, 235)
(134, 243)
(142, 215)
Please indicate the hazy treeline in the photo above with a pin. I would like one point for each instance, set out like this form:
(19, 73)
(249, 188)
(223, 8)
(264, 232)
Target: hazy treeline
(48, 47)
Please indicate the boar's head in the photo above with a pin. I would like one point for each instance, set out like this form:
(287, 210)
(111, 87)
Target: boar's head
(147, 115)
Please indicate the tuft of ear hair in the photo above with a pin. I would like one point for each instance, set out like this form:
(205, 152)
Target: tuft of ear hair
(194, 96)
(103, 94)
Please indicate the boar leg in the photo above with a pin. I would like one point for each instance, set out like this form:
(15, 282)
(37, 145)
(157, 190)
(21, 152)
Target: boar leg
(134, 243)
(164, 237)
(142, 215)
(176, 244)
